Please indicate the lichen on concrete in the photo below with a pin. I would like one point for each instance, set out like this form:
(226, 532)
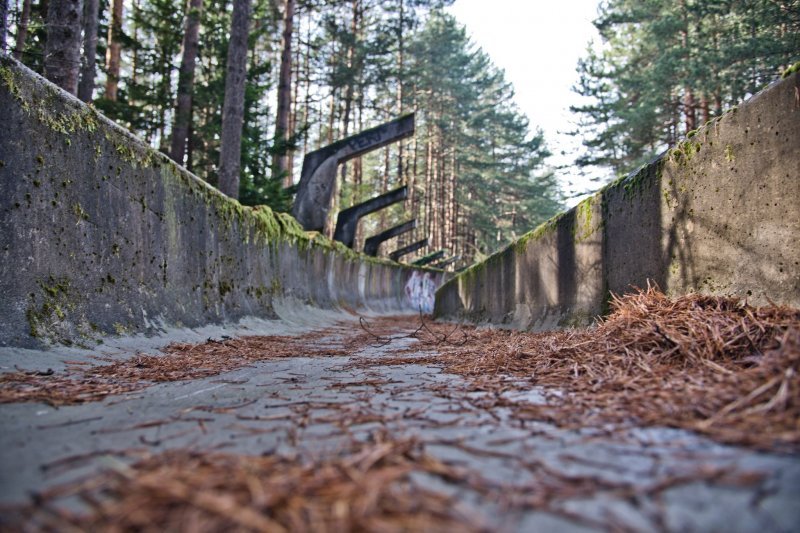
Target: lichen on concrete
(53, 315)
(791, 70)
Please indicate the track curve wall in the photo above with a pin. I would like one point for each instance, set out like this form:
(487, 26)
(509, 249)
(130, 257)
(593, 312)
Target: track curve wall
(100, 235)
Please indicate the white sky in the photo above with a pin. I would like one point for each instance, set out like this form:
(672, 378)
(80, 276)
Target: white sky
(538, 44)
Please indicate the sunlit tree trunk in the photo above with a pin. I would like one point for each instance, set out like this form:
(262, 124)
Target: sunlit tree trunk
(280, 164)
(114, 50)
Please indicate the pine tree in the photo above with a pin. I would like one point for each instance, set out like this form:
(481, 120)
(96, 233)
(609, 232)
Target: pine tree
(89, 64)
(183, 108)
(22, 29)
(63, 49)
(666, 67)
(114, 50)
(280, 164)
(3, 24)
(233, 108)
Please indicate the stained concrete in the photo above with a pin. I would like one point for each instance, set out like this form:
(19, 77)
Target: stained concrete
(717, 214)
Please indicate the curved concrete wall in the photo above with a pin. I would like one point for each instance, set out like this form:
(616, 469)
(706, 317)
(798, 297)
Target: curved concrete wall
(718, 214)
(100, 234)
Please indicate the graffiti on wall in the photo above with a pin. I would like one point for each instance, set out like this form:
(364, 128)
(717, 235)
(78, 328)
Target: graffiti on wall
(421, 291)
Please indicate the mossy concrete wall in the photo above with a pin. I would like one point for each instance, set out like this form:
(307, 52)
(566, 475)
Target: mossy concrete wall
(717, 214)
(99, 234)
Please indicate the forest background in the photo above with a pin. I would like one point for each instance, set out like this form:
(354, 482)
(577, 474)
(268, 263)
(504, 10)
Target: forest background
(314, 71)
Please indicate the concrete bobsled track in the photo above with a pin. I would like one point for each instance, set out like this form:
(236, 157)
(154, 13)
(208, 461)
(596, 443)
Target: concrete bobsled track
(717, 214)
(143, 315)
(102, 234)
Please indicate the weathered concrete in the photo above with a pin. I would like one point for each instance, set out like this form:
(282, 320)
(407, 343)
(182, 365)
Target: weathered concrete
(717, 214)
(373, 244)
(430, 258)
(347, 220)
(446, 262)
(315, 190)
(99, 234)
(411, 248)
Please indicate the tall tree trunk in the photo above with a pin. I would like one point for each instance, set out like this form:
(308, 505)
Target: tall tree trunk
(385, 182)
(230, 153)
(22, 29)
(135, 55)
(190, 147)
(307, 88)
(62, 52)
(400, 79)
(280, 163)
(413, 197)
(3, 24)
(114, 50)
(349, 92)
(89, 67)
(689, 110)
(183, 106)
(428, 182)
(705, 110)
(453, 219)
(293, 109)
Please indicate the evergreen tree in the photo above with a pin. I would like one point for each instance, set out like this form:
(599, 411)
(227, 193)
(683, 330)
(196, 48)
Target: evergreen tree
(666, 67)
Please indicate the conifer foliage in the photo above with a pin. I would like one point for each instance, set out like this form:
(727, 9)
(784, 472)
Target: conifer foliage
(666, 67)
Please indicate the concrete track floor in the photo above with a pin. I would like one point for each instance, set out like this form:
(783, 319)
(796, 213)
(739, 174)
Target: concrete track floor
(640, 479)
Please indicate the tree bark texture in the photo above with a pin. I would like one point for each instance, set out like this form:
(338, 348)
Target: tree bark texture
(183, 107)
(233, 106)
(400, 79)
(22, 29)
(114, 50)
(281, 162)
(3, 23)
(62, 52)
(89, 67)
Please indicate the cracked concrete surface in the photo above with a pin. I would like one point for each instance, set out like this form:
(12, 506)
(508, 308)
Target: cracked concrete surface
(631, 479)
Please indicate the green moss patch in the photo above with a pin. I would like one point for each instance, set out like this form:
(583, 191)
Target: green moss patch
(791, 70)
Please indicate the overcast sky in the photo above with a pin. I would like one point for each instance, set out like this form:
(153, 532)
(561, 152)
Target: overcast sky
(538, 44)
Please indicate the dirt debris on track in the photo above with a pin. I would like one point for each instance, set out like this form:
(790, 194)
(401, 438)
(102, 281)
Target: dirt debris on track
(710, 365)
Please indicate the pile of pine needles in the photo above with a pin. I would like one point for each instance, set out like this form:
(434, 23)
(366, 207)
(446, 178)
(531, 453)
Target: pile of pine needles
(180, 361)
(710, 364)
(369, 488)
